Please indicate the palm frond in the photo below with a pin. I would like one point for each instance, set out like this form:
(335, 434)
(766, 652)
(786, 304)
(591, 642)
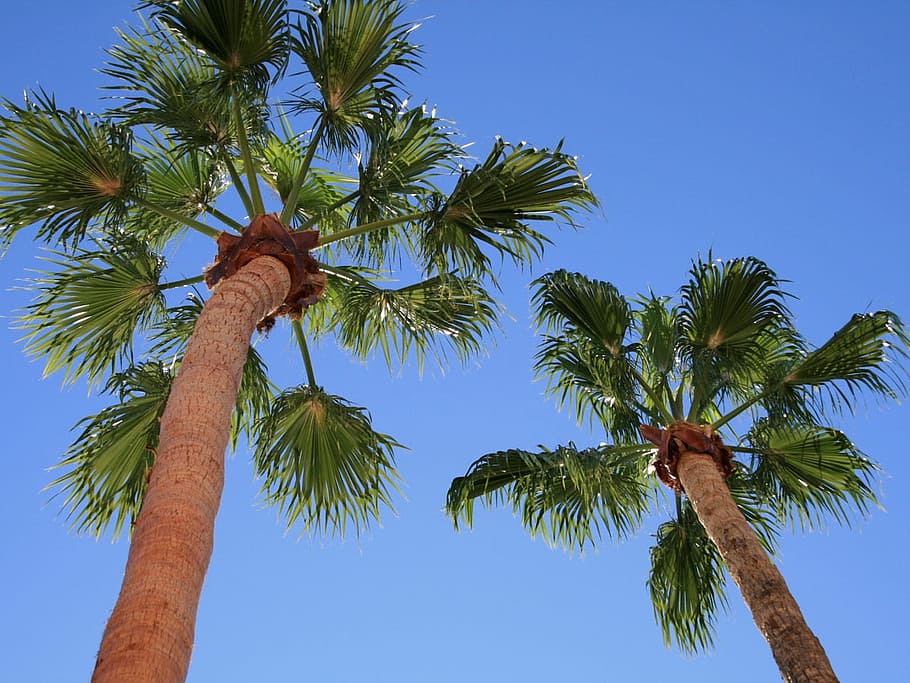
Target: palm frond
(108, 464)
(566, 496)
(406, 151)
(809, 473)
(729, 316)
(431, 317)
(89, 307)
(492, 205)
(868, 353)
(64, 171)
(321, 462)
(686, 582)
(243, 38)
(352, 50)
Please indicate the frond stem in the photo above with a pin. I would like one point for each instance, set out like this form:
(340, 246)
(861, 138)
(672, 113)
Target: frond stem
(290, 205)
(247, 157)
(739, 410)
(312, 220)
(369, 227)
(304, 351)
(240, 187)
(196, 279)
(192, 223)
(652, 394)
(224, 218)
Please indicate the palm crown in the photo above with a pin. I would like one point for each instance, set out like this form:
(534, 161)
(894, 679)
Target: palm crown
(272, 103)
(725, 353)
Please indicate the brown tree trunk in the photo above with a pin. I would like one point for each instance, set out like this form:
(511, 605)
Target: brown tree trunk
(149, 637)
(798, 653)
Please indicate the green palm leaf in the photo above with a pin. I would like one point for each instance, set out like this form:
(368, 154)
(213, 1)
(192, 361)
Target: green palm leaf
(108, 464)
(809, 473)
(88, 309)
(492, 204)
(244, 38)
(352, 49)
(865, 354)
(729, 317)
(686, 582)
(63, 170)
(566, 496)
(440, 313)
(321, 462)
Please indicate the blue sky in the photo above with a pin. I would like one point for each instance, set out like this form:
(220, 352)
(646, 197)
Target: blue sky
(779, 130)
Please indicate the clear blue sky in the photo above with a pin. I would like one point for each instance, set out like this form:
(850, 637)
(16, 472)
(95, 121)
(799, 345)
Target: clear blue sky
(774, 129)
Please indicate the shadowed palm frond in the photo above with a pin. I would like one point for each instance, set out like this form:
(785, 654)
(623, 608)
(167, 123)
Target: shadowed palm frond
(109, 462)
(64, 171)
(729, 316)
(243, 38)
(430, 317)
(321, 462)
(352, 49)
(88, 309)
(321, 194)
(493, 203)
(808, 473)
(686, 582)
(568, 497)
(865, 354)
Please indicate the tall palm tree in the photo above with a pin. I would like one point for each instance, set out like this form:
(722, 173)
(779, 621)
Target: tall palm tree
(718, 373)
(207, 96)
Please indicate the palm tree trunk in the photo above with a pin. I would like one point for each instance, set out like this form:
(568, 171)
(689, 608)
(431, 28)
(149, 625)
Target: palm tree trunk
(149, 637)
(798, 653)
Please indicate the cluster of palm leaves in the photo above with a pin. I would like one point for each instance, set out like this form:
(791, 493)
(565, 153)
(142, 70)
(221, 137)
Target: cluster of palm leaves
(725, 353)
(222, 110)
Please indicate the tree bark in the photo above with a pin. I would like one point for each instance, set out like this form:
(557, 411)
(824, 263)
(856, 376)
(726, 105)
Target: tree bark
(798, 653)
(149, 637)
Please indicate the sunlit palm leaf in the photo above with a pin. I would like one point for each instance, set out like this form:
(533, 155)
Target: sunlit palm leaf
(686, 582)
(865, 354)
(244, 38)
(165, 83)
(88, 309)
(493, 203)
(566, 496)
(184, 182)
(321, 462)
(352, 50)
(809, 473)
(64, 171)
(108, 464)
(430, 317)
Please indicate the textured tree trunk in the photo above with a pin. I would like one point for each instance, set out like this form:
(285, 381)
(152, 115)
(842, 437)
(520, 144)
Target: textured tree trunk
(798, 653)
(149, 637)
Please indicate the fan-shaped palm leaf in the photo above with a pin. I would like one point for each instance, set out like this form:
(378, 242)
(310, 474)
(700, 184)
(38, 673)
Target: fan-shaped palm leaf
(321, 462)
(352, 49)
(566, 496)
(428, 317)
(242, 37)
(810, 473)
(493, 203)
(865, 354)
(686, 582)
(63, 170)
(89, 308)
(110, 461)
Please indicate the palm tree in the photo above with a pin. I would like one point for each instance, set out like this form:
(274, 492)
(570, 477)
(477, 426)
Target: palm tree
(207, 96)
(719, 372)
